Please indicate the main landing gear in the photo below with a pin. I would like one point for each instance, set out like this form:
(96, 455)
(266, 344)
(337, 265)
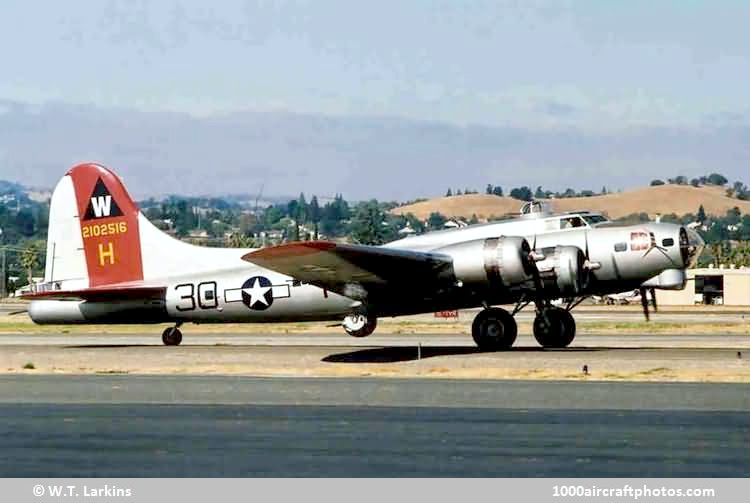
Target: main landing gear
(495, 329)
(554, 327)
(172, 336)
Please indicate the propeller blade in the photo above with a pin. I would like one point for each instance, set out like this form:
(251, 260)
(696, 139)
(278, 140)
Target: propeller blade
(13, 313)
(586, 241)
(644, 303)
(652, 291)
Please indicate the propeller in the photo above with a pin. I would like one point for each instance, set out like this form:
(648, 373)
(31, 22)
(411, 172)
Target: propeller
(644, 303)
(588, 264)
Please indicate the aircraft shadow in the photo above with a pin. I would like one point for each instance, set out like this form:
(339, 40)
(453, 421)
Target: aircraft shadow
(394, 354)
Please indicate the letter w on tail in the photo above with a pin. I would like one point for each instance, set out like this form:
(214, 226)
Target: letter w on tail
(102, 206)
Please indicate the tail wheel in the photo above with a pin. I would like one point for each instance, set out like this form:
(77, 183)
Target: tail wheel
(359, 325)
(554, 328)
(494, 329)
(171, 336)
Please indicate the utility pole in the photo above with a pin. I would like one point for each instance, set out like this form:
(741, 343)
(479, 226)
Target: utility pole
(3, 292)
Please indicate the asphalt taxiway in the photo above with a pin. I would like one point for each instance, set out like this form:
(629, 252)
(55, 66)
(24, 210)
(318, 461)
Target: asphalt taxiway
(120, 426)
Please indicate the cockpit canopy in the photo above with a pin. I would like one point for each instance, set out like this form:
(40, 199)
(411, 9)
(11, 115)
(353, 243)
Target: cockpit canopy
(542, 210)
(574, 221)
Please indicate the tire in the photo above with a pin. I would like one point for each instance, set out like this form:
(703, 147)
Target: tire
(360, 329)
(494, 329)
(554, 328)
(171, 336)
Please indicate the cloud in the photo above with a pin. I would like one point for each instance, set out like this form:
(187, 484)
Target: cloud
(388, 158)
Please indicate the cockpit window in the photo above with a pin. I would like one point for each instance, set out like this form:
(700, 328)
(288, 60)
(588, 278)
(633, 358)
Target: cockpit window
(594, 219)
(572, 222)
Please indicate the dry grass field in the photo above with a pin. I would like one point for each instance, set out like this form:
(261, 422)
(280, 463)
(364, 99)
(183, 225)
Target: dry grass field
(663, 199)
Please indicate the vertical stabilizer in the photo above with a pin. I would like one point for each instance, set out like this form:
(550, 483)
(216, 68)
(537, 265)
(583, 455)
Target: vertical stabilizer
(94, 237)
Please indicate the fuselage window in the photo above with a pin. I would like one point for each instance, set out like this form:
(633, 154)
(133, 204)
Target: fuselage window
(639, 241)
(621, 247)
(667, 242)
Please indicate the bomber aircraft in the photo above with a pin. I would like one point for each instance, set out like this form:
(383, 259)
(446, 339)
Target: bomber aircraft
(106, 263)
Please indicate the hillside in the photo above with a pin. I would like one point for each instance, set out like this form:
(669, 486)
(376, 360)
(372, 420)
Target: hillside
(663, 199)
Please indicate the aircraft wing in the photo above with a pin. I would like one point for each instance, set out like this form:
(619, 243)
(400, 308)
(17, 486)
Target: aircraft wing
(356, 271)
(101, 294)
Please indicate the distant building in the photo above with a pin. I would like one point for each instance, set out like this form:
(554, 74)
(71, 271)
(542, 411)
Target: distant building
(723, 285)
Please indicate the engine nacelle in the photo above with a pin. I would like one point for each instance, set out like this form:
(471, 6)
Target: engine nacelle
(562, 269)
(502, 261)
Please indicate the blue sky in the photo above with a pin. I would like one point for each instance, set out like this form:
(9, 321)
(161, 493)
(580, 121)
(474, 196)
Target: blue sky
(347, 96)
(585, 64)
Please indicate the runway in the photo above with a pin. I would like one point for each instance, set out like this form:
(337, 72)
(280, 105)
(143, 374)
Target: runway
(121, 426)
(637, 357)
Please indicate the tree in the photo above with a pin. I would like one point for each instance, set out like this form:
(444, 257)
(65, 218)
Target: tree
(436, 221)
(656, 182)
(717, 179)
(701, 214)
(369, 226)
(25, 223)
(740, 191)
(604, 190)
(569, 193)
(314, 211)
(733, 216)
(490, 189)
(540, 194)
(416, 224)
(695, 182)
(449, 193)
(498, 191)
(292, 208)
(239, 240)
(523, 193)
(302, 212)
(30, 260)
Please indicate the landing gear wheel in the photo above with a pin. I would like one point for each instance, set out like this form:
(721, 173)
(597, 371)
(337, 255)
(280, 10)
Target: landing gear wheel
(359, 325)
(171, 336)
(494, 329)
(554, 328)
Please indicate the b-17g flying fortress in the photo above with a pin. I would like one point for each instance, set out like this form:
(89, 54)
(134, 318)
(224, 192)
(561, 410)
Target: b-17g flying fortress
(106, 263)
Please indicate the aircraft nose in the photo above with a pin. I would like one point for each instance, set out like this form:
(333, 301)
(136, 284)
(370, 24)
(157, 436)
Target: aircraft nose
(691, 246)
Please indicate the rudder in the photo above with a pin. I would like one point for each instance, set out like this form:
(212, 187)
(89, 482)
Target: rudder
(91, 212)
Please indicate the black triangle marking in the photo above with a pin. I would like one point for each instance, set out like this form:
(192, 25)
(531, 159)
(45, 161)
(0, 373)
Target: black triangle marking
(99, 206)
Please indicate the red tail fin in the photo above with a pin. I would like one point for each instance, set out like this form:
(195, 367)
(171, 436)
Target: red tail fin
(109, 226)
